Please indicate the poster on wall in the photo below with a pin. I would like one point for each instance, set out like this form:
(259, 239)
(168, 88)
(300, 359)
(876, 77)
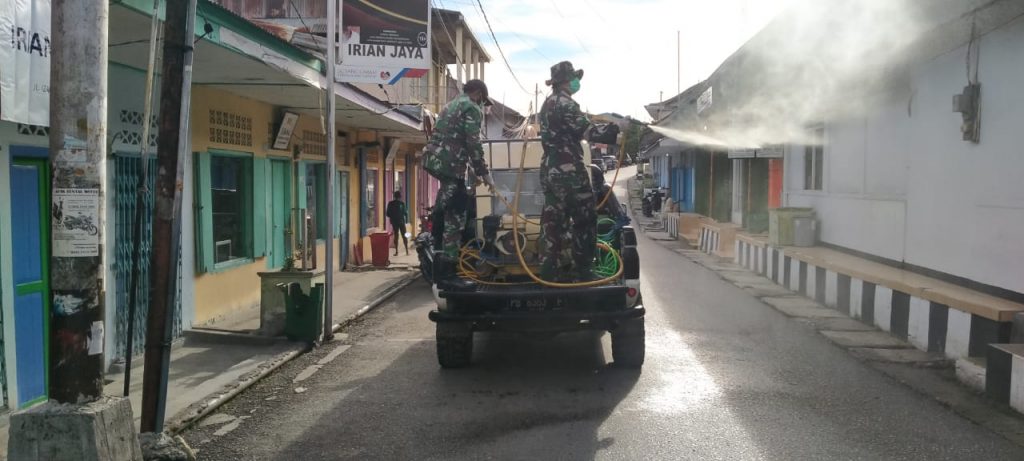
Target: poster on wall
(75, 222)
(383, 41)
(25, 61)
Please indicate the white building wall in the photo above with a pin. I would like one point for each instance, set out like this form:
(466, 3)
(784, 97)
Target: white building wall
(901, 184)
(966, 209)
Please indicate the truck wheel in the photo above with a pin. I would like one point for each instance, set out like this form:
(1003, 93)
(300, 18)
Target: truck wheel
(454, 344)
(628, 343)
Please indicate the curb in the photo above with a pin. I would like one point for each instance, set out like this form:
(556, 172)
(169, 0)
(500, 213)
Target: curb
(388, 293)
(199, 410)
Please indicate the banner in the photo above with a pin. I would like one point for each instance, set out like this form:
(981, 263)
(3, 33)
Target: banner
(383, 41)
(25, 61)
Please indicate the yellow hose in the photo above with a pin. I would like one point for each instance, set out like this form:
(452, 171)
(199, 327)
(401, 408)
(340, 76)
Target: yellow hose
(514, 208)
(618, 166)
(519, 249)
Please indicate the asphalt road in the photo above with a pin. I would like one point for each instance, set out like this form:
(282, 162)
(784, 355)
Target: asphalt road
(726, 377)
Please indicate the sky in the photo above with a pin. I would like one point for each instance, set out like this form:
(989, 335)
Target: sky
(627, 48)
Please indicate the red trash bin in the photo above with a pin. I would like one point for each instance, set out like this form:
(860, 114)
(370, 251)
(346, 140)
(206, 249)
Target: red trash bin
(379, 247)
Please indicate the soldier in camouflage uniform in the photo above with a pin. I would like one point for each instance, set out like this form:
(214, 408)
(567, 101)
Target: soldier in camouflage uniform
(454, 143)
(569, 218)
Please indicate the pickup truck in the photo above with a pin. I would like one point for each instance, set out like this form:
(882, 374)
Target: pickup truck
(505, 297)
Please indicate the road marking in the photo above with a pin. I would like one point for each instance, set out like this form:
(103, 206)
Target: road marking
(230, 426)
(333, 355)
(312, 369)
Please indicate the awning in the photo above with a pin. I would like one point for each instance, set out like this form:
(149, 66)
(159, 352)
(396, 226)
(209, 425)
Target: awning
(665, 146)
(773, 151)
(250, 62)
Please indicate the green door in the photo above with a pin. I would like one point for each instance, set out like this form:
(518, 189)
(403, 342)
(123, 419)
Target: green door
(341, 217)
(280, 199)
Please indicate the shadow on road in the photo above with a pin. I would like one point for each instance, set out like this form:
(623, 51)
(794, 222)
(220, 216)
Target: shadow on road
(524, 398)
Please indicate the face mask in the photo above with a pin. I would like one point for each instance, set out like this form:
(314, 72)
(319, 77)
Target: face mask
(574, 85)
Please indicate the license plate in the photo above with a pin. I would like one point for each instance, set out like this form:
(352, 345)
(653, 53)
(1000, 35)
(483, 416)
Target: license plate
(534, 304)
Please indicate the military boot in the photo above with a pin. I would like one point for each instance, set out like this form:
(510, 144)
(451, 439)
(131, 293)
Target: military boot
(447, 278)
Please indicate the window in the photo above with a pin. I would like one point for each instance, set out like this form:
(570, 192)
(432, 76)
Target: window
(814, 160)
(231, 224)
(231, 202)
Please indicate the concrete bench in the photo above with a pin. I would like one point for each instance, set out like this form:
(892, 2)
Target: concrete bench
(717, 238)
(932, 314)
(1004, 375)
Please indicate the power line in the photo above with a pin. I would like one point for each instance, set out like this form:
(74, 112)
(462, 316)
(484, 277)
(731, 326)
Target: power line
(512, 31)
(564, 19)
(598, 13)
(502, 53)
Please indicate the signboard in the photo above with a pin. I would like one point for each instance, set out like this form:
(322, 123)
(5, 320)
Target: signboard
(25, 61)
(741, 153)
(75, 222)
(284, 135)
(383, 41)
(704, 100)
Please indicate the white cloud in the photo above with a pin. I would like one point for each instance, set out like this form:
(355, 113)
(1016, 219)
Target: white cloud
(627, 48)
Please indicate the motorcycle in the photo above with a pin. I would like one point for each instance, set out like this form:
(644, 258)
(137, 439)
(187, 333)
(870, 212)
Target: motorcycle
(646, 206)
(424, 244)
(81, 222)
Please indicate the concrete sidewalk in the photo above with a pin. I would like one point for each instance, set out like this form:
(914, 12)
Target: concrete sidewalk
(210, 365)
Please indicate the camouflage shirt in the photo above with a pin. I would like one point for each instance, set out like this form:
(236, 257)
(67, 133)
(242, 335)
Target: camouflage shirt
(562, 124)
(456, 141)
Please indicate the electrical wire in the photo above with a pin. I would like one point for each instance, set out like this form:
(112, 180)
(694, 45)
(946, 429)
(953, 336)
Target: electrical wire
(566, 21)
(502, 53)
(972, 79)
(314, 37)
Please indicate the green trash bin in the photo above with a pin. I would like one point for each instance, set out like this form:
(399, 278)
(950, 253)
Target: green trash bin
(780, 224)
(304, 314)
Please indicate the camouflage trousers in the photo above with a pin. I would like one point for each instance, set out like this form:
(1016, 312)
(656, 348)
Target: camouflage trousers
(568, 221)
(452, 203)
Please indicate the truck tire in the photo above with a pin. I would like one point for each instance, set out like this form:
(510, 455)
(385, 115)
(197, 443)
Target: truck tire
(628, 343)
(454, 344)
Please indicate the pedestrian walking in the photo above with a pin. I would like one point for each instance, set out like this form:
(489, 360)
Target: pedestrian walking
(454, 144)
(396, 213)
(569, 218)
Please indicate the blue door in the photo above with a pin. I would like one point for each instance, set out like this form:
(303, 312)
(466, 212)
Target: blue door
(30, 189)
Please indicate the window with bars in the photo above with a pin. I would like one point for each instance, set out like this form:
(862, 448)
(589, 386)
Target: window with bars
(814, 161)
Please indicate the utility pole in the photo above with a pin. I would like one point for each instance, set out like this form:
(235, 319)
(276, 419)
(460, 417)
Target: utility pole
(536, 100)
(78, 422)
(78, 143)
(172, 144)
(332, 134)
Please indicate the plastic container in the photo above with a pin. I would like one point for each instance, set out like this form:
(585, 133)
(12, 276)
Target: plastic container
(805, 231)
(304, 314)
(780, 224)
(380, 248)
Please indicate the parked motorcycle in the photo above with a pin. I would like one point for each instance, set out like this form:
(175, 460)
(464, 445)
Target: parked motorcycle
(424, 244)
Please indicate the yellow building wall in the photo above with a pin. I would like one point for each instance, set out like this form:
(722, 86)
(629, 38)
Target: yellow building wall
(218, 294)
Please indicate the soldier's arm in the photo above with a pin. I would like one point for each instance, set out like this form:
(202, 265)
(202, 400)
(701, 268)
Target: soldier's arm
(574, 119)
(472, 121)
